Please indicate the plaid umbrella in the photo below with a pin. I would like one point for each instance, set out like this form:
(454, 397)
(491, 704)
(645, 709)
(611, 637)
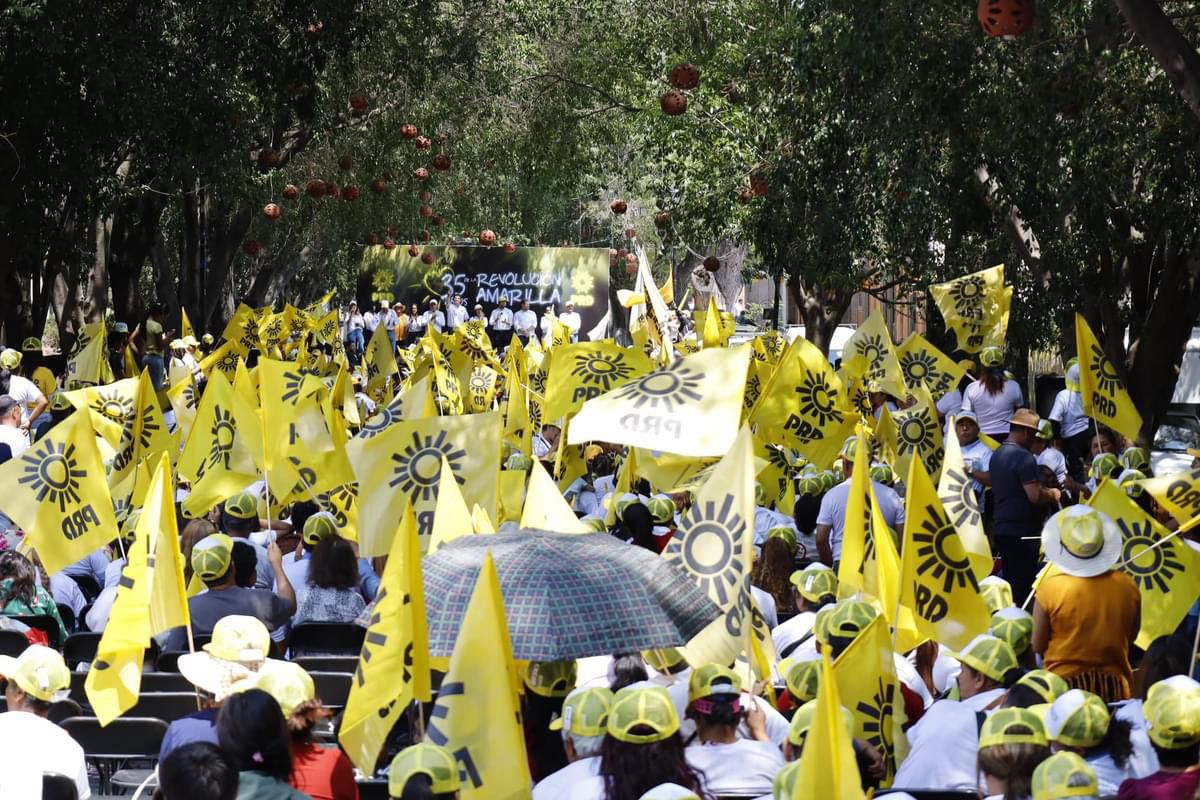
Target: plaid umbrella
(567, 595)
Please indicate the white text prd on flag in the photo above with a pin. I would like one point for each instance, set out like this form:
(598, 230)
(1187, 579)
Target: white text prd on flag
(692, 407)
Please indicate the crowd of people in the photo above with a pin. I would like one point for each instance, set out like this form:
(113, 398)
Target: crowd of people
(1054, 701)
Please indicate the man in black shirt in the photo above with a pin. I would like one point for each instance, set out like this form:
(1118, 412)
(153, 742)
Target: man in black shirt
(1019, 500)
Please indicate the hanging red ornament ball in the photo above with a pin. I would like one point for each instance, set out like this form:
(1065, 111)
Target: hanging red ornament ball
(414, 251)
(379, 186)
(487, 238)
(389, 244)
(423, 235)
(251, 247)
(441, 162)
(425, 211)
(421, 174)
(673, 103)
(423, 143)
(272, 211)
(290, 192)
(618, 206)
(509, 247)
(685, 76)
(315, 188)
(428, 257)
(1005, 17)
(712, 263)
(408, 131)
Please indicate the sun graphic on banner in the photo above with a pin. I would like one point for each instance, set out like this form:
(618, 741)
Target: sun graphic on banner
(112, 405)
(392, 413)
(753, 390)
(915, 434)
(53, 475)
(419, 465)
(960, 501)
(817, 400)
(940, 551)
(537, 381)
(149, 428)
(188, 396)
(228, 362)
(602, 369)
(709, 546)
(773, 344)
(222, 434)
(339, 501)
(673, 387)
(1151, 570)
(861, 400)
(872, 348)
(1105, 372)
(535, 416)
(967, 293)
(918, 367)
(472, 347)
(292, 381)
(879, 714)
(481, 382)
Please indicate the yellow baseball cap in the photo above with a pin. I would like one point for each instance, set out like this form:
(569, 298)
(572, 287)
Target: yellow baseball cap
(1012, 726)
(991, 357)
(1077, 719)
(551, 678)
(803, 676)
(787, 534)
(211, 556)
(784, 785)
(713, 679)
(243, 505)
(802, 721)
(1172, 711)
(32, 344)
(661, 508)
(662, 659)
(129, 524)
(286, 681)
(814, 582)
(849, 448)
(585, 712)
(821, 625)
(997, 593)
(318, 526)
(849, 618)
(190, 341)
(39, 672)
(988, 656)
(596, 524)
(636, 708)
(1064, 774)
(1013, 626)
(10, 359)
(1046, 684)
(437, 763)
(59, 402)
(811, 485)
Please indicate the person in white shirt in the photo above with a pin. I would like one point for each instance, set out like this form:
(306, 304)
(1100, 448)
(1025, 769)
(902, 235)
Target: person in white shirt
(993, 397)
(547, 326)
(12, 434)
(370, 323)
(977, 456)
(353, 335)
(1072, 425)
(1047, 454)
(456, 312)
(434, 317)
(814, 587)
(831, 519)
(570, 318)
(416, 324)
(525, 322)
(29, 397)
(479, 318)
(389, 318)
(33, 745)
(730, 764)
(501, 322)
(583, 724)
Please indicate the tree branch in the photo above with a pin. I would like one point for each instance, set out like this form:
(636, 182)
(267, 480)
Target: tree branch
(1174, 53)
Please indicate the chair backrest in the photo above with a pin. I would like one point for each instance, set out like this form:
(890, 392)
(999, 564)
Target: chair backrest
(42, 622)
(64, 709)
(373, 789)
(326, 638)
(332, 687)
(67, 615)
(124, 737)
(12, 643)
(88, 585)
(77, 691)
(81, 618)
(167, 706)
(80, 648)
(58, 787)
(168, 660)
(165, 682)
(328, 663)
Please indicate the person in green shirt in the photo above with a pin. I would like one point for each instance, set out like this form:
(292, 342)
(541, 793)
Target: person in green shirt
(21, 595)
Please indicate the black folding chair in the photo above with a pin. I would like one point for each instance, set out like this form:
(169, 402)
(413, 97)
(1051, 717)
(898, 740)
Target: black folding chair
(326, 639)
(88, 585)
(63, 709)
(67, 615)
(328, 663)
(44, 623)
(77, 692)
(12, 643)
(80, 648)
(81, 618)
(167, 706)
(332, 687)
(124, 740)
(158, 682)
(58, 787)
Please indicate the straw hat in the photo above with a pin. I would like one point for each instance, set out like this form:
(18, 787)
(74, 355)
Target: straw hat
(1081, 541)
(237, 652)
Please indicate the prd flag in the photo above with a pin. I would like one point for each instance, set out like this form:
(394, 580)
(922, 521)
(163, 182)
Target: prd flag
(956, 490)
(393, 666)
(925, 365)
(112, 406)
(866, 682)
(805, 406)
(145, 434)
(480, 389)
(655, 311)
(1179, 494)
(857, 543)
(715, 545)
(380, 358)
(241, 332)
(224, 359)
(405, 461)
(545, 509)
(914, 433)
(579, 372)
(691, 407)
(57, 493)
(828, 767)
(1105, 398)
(88, 366)
(936, 579)
(477, 715)
(451, 517)
(975, 307)
(342, 502)
(1167, 576)
(185, 324)
(150, 600)
(217, 458)
(871, 355)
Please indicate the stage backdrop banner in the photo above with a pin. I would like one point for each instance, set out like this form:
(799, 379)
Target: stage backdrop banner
(545, 276)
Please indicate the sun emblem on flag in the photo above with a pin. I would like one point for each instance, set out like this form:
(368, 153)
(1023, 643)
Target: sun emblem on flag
(228, 362)
(753, 390)
(340, 501)
(292, 381)
(188, 396)
(773, 344)
(940, 551)
(960, 501)
(871, 347)
(918, 366)
(537, 381)
(709, 546)
(914, 434)
(480, 382)
(878, 712)
(391, 413)
(1105, 372)
(673, 387)
(112, 405)
(1151, 570)
(817, 400)
(53, 475)
(417, 468)
(602, 369)
(967, 292)
(472, 346)
(222, 434)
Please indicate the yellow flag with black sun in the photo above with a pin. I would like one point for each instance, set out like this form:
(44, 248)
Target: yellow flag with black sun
(579, 372)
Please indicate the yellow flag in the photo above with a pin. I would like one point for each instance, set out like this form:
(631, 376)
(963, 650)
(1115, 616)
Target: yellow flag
(393, 666)
(405, 461)
(241, 332)
(481, 389)
(90, 366)
(579, 372)
(451, 519)
(655, 311)
(477, 716)
(828, 768)
(185, 325)
(936, 582)
(380, 359)
(855, 534)
(712, 324)
(342, 502)
(1105, 398)
(882, 580)
(714, 545)
(185, 401)
(326, 327)
(914, 433)
(1179, 493)
(112, 406)
(1167, 576)
(805, 406)
(973, 307)
(518, 426)
(957, 493)
(691, 407)
(545, 509)
(925, 365)
(145, 434)
(57, 493)
(216, 458)
(871, 355)
(131, 367)
(866, 680)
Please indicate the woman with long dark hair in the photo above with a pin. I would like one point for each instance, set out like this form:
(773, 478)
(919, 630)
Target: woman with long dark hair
(253, 733)
(22, 594)
(993, 397)
(774, 566)
(1012, 742)
(332, 593)
(813, 588)
(1079, 722)
(643, 748)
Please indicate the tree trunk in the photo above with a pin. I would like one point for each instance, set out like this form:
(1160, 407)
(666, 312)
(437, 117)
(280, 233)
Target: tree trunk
(821, 309)
(134, 231)
(1174, 53)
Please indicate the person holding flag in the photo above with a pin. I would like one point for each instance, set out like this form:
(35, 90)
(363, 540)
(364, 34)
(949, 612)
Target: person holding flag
(831, 519)
(994, 398)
